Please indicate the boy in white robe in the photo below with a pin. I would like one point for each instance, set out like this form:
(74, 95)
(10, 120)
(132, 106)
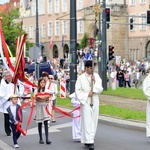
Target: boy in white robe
(146, 90)
(89, 99)
(76, 122)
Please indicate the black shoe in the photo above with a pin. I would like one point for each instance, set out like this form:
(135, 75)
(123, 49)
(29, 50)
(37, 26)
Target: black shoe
(48, 142)
(87, 145)
(91, 146)
(53, 121)
(41, 142)
(9, 134)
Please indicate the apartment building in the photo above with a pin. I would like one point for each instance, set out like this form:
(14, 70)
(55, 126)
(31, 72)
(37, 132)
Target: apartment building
(139, 34)
(54, 23)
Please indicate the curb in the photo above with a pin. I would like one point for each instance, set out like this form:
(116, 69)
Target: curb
(118, 121)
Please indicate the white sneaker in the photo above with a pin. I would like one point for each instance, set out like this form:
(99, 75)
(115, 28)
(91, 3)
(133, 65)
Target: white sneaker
(16, 146)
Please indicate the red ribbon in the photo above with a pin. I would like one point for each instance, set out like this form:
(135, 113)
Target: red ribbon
(24, 132)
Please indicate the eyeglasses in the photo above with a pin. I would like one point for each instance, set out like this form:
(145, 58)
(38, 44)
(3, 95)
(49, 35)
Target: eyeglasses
(51, 78)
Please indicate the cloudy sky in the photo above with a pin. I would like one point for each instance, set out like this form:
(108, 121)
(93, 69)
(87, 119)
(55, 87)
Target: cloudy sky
(3, 1)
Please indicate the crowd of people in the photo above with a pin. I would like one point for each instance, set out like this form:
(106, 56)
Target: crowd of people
(87, 89)
(128, 74)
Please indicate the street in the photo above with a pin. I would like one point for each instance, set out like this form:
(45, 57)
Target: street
(109, 136)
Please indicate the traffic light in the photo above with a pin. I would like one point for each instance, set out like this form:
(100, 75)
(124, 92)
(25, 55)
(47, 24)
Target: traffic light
(107, 10)
(107, 14)
(148, 16)
(111, 52)
(131, 23)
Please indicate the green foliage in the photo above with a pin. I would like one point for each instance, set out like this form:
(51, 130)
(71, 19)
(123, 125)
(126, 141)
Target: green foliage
(126, 93)
(124, 113)
(84, 41)
(11, 28)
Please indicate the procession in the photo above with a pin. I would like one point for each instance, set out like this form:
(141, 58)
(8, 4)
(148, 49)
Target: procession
(87, 88)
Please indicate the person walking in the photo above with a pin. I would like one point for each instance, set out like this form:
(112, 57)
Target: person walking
(76, 121)
(41, 115)
(88, 96)
(14, 118)
(53, 89)
(6, 90)
(137, 78)
(146, 91)
(127, 79)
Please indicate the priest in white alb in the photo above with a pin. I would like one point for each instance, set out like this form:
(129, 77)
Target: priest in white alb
(88, 96)
(146, 90)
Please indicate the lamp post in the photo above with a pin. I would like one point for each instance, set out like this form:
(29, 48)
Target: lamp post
(37, 41)
(37, 25)
(73, 41)
(104, 50)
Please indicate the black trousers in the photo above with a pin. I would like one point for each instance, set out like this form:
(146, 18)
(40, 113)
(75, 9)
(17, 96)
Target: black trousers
(7, 124)
(16, 135)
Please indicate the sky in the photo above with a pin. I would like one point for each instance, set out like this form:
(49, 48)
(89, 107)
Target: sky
(3, 1)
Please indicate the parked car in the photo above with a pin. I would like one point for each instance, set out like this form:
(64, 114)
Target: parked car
(43, 67)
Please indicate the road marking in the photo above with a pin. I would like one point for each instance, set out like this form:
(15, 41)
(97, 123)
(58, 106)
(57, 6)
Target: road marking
(5, 146)
(51, 128)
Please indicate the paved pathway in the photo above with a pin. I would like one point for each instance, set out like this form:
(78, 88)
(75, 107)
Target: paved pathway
(123, 102)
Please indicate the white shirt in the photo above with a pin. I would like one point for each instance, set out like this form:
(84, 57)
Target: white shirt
(13, 111)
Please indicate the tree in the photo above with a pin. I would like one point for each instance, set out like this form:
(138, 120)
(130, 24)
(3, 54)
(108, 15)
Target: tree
(11, 28)
(84, 41)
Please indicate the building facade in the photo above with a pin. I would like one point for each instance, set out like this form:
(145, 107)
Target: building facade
(139, 33)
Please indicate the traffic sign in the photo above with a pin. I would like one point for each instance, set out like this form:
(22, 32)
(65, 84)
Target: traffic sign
(34, 52)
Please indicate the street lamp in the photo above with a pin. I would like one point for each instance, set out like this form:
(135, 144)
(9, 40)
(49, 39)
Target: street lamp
(73, 41)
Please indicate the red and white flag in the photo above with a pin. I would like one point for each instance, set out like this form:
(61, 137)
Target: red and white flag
(51, 43)
(20, 61)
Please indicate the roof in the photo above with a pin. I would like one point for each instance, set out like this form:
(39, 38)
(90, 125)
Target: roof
(2, 7)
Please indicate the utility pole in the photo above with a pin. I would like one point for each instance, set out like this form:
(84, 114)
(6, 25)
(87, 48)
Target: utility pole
(37, 41)
(99, 46)
(73, 41)
(37, 25)
(104, 50)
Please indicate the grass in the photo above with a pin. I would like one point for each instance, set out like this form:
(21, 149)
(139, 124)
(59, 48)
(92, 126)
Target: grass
(126, 93)
(124, 113)
(113, 110)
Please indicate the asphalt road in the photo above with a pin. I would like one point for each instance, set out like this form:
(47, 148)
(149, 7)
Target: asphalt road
(109, 136)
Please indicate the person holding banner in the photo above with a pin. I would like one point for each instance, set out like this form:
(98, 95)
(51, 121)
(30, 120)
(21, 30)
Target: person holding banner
(87, 88)
(14, 118)
(42, 102)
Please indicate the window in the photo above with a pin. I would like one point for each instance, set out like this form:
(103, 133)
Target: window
(50, 7)
(132, 2)
(80, 26)
(80, 4)
(143, 21)
(50, 29)
(64, 27)
(142, 1)
(43, 30)
(64, 5)
(31, 32)
(26, 29)
(56, 6)
(57, 27)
